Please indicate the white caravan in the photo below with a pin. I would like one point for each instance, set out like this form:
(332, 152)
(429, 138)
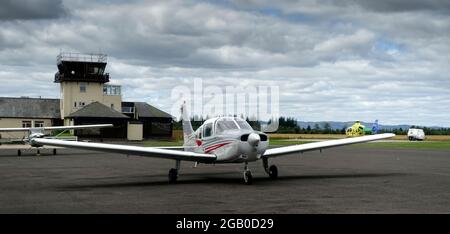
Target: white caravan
(416, 134)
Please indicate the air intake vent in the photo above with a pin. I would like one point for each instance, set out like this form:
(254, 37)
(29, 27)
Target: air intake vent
(263, 137)
(244, 137)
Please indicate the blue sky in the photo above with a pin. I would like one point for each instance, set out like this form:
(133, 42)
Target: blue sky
(333, 60)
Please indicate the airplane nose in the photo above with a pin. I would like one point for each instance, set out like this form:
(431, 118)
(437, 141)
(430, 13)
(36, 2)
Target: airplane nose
(253, 139)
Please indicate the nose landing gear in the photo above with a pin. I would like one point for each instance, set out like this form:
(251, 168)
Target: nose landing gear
(272, 171)
(248, 178)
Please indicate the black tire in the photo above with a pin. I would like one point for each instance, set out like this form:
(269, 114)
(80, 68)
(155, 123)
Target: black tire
(248, 178)
(19, 153)
(273, 172)
(173, 175)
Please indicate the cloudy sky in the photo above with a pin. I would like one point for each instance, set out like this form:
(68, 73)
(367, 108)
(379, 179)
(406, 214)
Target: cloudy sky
(332, 60)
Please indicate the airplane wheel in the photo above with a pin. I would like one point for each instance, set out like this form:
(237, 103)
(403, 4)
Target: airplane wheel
(248, 178)
(173, 175)
(54, 151)
(19, 153)
(273, 172)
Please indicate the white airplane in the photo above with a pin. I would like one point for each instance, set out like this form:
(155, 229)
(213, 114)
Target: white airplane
(40, 132)
(218, 140)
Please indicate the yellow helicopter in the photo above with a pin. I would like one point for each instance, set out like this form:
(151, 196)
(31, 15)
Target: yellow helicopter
(357, 129)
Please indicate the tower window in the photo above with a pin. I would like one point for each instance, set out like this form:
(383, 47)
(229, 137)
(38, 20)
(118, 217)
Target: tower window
(112, 90)
(93, 70)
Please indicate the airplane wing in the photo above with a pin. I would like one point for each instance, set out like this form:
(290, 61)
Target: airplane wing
(173, 147)
(323, 144)
(78, 127)
(130, 150)
(14, 129)
(56, 128)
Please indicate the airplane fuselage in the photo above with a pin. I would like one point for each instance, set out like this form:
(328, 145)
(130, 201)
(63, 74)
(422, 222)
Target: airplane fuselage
(233, 149)
(233, 145)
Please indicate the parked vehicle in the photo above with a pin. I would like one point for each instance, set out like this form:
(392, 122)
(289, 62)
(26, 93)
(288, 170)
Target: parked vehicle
(416, 134)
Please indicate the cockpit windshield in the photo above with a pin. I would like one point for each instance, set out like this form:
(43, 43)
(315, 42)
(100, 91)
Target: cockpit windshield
(229, 123)
(243, 124)
(225, 124)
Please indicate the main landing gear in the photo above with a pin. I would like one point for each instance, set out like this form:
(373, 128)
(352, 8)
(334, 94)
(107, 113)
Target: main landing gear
(248, 178)
(272, 171)
(173, 173)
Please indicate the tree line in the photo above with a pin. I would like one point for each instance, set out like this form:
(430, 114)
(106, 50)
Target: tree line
(290, 125)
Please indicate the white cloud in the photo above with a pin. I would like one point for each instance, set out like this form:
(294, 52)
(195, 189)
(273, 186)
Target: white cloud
(332, 62)
(340, 43)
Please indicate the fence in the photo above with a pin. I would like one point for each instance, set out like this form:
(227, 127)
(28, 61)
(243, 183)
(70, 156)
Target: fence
(177, 135)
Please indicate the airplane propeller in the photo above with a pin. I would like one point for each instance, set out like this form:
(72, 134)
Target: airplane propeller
(254, 139)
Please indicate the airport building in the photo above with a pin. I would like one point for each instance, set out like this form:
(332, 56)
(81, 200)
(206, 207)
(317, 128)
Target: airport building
(86, 98)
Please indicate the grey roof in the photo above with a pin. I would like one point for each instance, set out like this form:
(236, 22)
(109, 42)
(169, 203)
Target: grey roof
(146, 110)
(97, 110)
(44, 108)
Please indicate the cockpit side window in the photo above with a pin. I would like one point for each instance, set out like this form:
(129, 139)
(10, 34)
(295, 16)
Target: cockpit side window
(199, 133)
(208, 130)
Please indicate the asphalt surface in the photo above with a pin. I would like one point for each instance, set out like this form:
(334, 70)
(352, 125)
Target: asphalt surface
(349, 179)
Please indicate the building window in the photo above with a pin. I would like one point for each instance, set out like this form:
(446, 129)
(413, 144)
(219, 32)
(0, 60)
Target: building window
(127, 109)
(38, 124)
(82, 87)
(26, 124)
(112, 90)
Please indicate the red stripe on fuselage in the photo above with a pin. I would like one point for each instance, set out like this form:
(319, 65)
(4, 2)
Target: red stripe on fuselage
(214, 147)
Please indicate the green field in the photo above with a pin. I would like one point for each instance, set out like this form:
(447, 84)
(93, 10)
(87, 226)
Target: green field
(283, 142)
(440, 145)
(155, 143)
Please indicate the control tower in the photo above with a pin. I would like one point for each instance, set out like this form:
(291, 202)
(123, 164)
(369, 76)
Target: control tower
(83, 81)
(74, 67)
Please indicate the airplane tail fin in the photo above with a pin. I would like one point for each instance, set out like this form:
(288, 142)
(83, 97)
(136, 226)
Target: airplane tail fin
(188, 132)
(375, 127)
